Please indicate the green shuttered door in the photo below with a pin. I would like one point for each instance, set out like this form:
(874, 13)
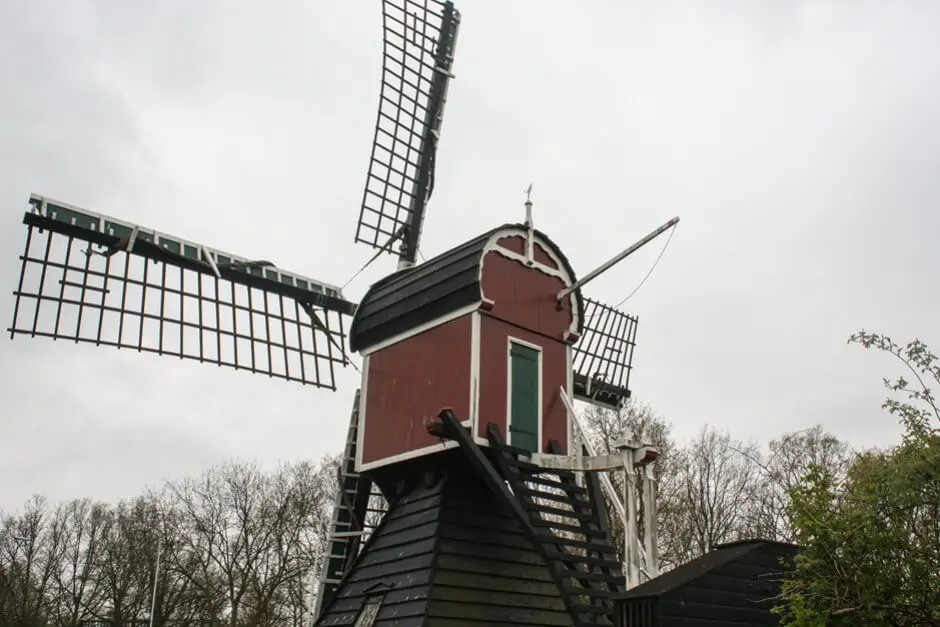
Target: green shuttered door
(524, 399)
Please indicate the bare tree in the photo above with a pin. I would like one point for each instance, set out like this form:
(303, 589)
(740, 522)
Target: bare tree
(247, 538)
(708, 502)
(715, 489)
(120, 564)
(606, 427)
(143, 531)
(294, 525)
(76, 594)
(236, 546)
(32, 546)
(787, 463)
(213, 545)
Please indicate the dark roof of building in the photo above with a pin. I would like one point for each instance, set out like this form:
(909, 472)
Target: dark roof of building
(414, 296)
(734, 585)
(721, 555)
(447, 551)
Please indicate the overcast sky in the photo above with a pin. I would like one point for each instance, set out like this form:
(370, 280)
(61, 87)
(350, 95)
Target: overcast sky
(797, 140)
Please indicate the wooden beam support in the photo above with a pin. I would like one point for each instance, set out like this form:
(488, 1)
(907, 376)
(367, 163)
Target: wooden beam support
(595, 463)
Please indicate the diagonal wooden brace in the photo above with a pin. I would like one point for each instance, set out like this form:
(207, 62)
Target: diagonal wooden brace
(449, 427)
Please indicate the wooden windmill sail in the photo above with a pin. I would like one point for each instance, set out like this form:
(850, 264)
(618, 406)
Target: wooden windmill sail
(497, 326)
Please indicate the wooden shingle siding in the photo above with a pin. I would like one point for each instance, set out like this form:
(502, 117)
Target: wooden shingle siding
(488, 572)
(447, 555)
(397, 562)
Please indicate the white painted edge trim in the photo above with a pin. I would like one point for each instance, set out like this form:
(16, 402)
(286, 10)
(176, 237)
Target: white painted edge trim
(492, 245)
(401, 457)
(510, 340)
(511, 254)
(427, 326)
(475, 338)
(420, 452)
(569, 386)
(363, 395)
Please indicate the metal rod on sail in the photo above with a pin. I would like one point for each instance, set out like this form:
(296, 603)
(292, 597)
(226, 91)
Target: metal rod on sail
(590, 276)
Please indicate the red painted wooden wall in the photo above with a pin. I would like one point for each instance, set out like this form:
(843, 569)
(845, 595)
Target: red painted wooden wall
(524, 296)
(409, 383)
(494, 391)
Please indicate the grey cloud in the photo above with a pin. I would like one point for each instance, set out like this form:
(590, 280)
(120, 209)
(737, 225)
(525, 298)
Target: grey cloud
(797, 140)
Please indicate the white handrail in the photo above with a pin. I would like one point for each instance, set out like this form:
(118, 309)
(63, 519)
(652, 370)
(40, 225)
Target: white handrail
(578, 432)
(606, 483)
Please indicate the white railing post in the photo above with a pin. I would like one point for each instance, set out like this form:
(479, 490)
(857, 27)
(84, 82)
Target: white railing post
(651, 531)
(641, 559)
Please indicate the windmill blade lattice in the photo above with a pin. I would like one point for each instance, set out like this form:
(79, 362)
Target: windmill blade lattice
(169, 296)
(603, 357)
(419, 42)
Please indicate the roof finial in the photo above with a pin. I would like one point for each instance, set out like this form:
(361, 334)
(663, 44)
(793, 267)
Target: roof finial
(528, 206)
(529, 246)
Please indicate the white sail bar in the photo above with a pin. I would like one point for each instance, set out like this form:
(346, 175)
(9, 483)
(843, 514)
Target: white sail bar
(84, 219)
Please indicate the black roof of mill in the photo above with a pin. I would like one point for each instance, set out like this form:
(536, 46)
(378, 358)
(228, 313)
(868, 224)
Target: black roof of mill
(446, 283)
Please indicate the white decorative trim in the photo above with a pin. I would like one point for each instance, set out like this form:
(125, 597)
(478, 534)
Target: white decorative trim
(475, 337)
(401, 457)
(571, 337)
(492, 245)
(427, 326)
(510, 340)
(361, 430)
(569, 387)
(541, 267)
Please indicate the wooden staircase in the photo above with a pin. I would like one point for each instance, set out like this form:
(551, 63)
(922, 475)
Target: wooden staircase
(566, 522)
(570, 521)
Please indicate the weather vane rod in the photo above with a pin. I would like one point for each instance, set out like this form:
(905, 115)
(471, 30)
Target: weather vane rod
(530, 235)
(528, 205)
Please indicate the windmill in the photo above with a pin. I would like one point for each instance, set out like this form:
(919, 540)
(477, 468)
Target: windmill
(489, 423)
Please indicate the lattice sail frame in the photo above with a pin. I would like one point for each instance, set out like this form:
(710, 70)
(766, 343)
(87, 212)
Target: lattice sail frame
(602, 359)
(420, 37)
(173, 297)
